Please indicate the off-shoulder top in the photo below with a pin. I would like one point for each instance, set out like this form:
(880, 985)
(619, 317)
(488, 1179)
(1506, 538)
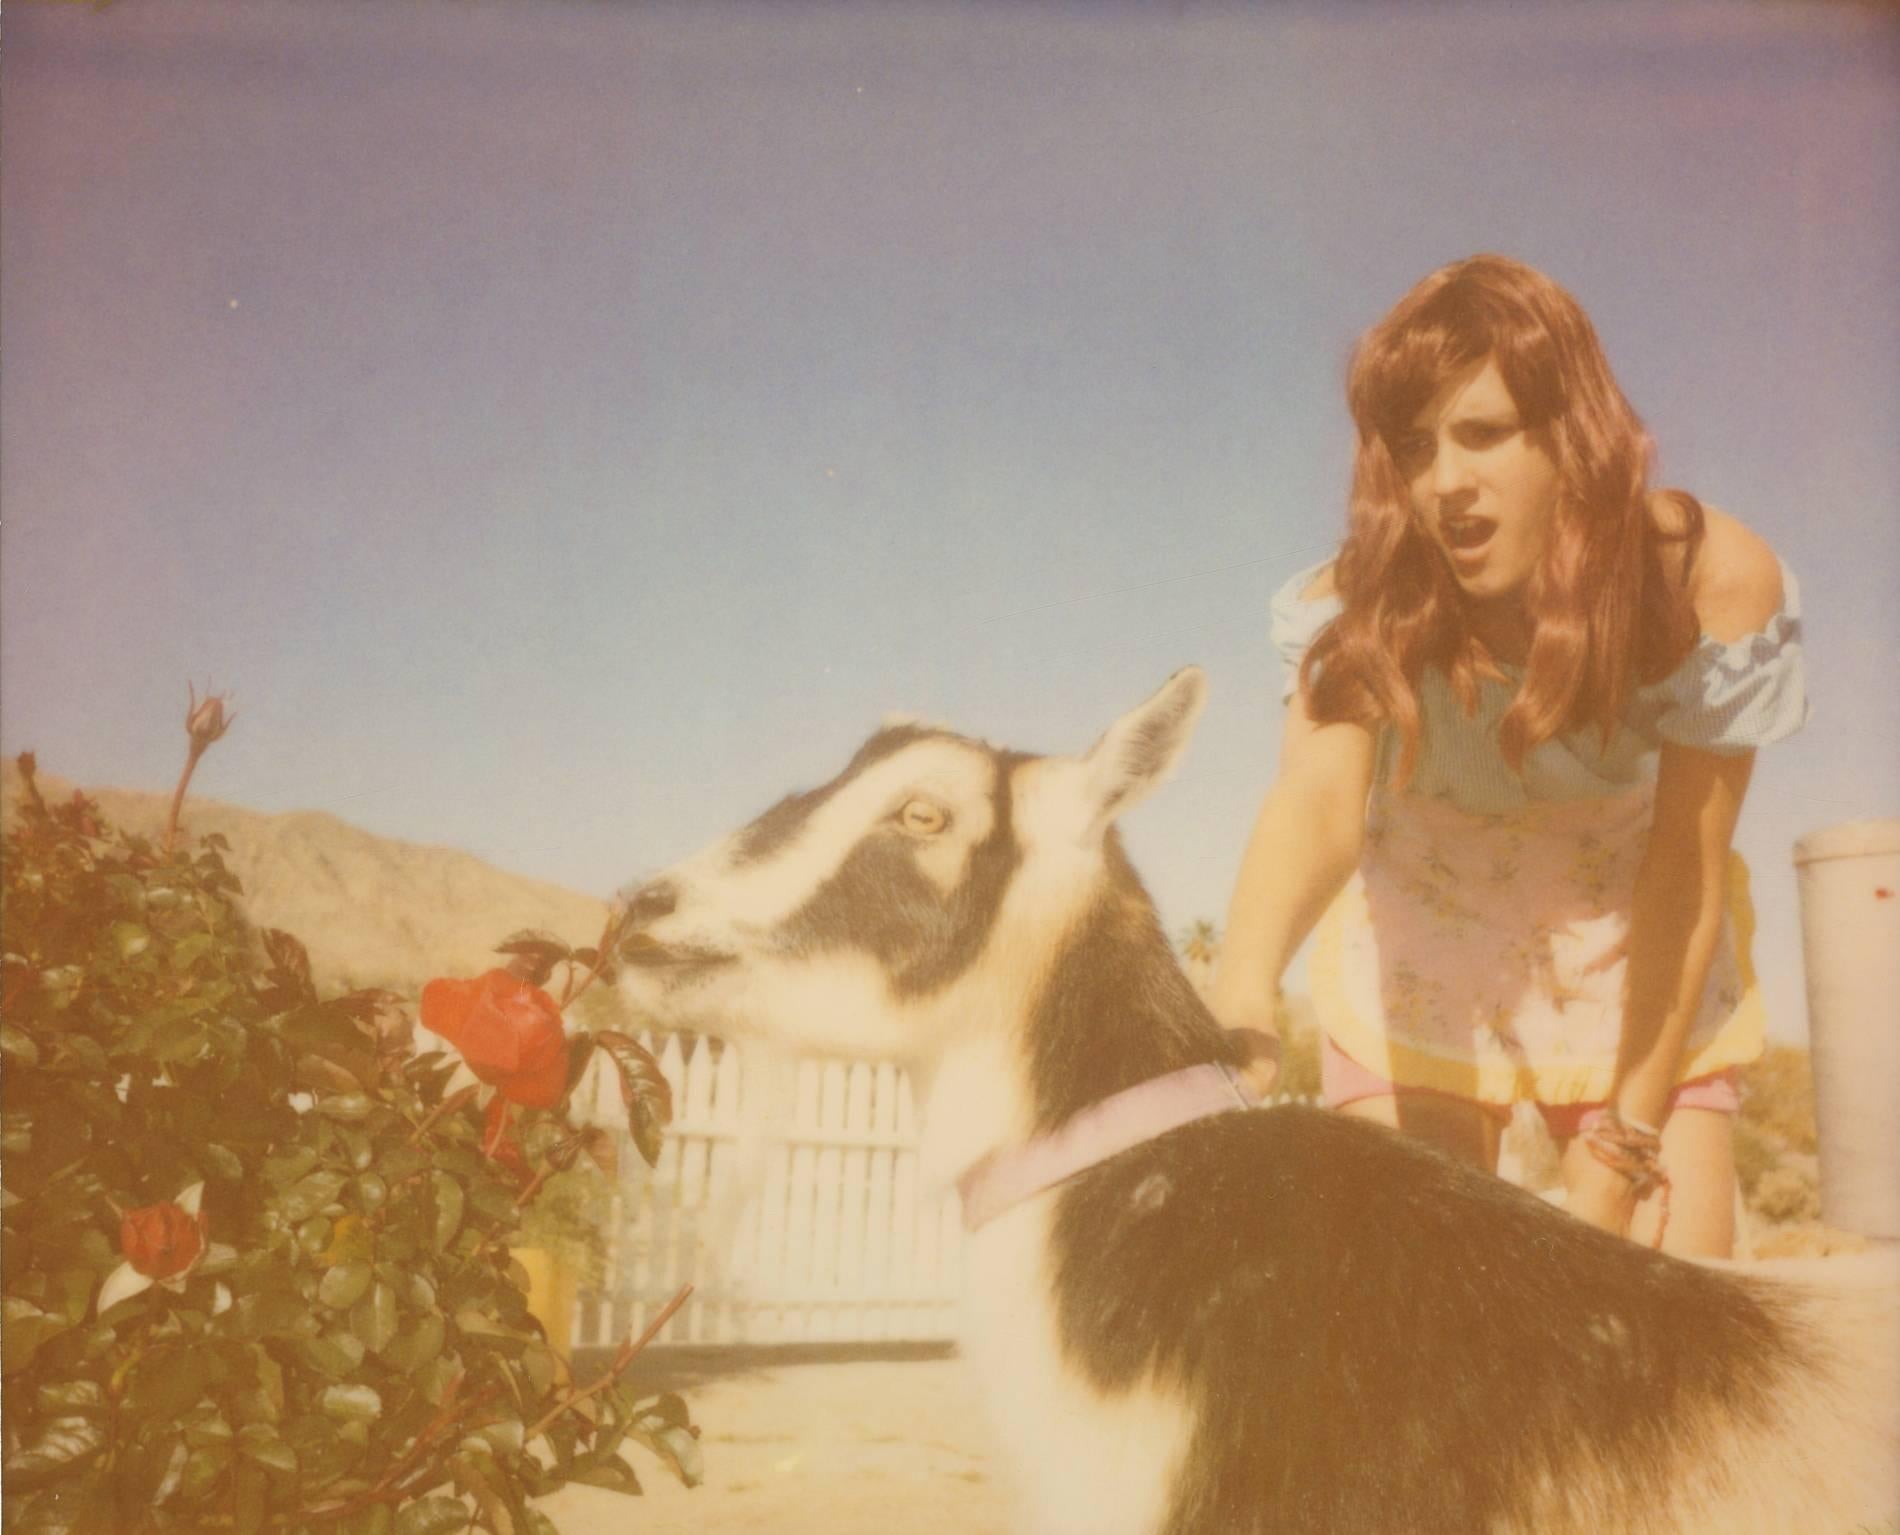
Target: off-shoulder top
(1724, 697)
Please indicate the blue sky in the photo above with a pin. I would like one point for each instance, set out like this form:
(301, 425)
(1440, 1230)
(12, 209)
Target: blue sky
(569, 426)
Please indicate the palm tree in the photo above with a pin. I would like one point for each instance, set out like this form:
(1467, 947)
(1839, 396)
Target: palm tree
(1199, 944)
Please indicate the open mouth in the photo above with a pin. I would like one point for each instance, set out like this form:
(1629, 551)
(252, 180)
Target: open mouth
(642, 952)
(1466, 535)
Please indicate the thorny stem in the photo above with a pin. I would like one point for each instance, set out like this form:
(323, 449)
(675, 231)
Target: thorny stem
(623, 1357)
(448, 1105)
(387, 1489)
(603, 952)
(178, 794)
(532, 1187)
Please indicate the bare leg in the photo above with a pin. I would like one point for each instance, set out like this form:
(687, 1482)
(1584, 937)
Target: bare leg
(1698, 1153)
(1464, 1130)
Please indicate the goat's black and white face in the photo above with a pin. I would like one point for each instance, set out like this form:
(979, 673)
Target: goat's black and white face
(927, 882)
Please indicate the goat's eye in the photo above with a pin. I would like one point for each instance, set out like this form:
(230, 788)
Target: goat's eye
(921, 817)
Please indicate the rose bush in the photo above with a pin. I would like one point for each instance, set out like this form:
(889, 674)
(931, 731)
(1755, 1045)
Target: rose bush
(256, 1251)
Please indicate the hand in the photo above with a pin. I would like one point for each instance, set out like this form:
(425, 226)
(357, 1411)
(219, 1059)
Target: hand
(1598, 1194)
(1262, 1067)
(1254, 1025)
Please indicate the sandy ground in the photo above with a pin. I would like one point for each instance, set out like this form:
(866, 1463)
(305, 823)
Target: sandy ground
(865, 1447)
(875, 1446)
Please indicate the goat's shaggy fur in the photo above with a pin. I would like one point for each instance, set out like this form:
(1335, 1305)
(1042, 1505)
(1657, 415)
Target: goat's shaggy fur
(1279, 1321)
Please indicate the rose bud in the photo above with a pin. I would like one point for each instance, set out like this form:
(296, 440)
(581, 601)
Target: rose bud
(162, 1241)
(206, 722)
(508, 1032)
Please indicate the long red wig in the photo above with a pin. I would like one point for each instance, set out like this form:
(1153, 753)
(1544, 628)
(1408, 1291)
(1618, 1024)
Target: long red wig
(1607, 612)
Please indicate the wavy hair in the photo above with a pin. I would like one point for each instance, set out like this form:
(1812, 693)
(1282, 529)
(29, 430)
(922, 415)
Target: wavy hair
(1606, 613)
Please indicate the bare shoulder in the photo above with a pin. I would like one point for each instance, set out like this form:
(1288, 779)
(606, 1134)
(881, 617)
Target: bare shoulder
(1321, 586)
(1736, 582)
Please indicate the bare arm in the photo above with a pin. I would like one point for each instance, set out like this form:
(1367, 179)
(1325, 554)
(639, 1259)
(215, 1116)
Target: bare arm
(1305, 843)
(1675, 921)
(1681, 885)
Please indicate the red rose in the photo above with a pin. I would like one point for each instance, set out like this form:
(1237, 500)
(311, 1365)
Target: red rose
(499, 1142)
(162, 1241)
(508, 1031)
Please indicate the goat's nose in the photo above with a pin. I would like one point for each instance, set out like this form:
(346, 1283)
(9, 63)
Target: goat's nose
(651, 902)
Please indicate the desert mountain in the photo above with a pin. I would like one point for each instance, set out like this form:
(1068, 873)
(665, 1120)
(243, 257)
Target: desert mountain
(372, 911)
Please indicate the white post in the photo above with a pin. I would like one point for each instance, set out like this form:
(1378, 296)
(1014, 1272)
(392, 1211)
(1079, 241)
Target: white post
(1849, 878)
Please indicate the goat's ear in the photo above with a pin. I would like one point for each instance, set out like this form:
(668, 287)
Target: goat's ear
(1141, 748)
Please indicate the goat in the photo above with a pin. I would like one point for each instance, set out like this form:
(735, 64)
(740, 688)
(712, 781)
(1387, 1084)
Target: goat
(1275, 1320)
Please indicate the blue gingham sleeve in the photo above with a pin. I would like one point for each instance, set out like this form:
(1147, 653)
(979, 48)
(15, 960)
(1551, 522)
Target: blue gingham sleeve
(1732, 698)
(1297, 622)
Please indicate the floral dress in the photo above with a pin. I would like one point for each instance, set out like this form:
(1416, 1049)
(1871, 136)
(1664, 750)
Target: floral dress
(1480, 948)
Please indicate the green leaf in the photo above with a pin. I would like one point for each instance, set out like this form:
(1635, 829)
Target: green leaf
(494, 1200)
(506, 1436)
(345, 1284)
(449, 1202)
(289, 960)
(16, 1133)
(71, 1397)
(61, 984)
(203, 1467)
(345, 1106)
(178, 1039)
(434, 1378)
(336, 1354)
(131, 938)
(23, 1330)
(287, 1169)
(222, 1162)
(261, 1443)
(373, 1318)
(538, 1365)
(269, 1314)
(612, 1473)
(219, 1258)
(668, 1410)
(207, 1429)
(541, 952)
(168, 1381)
(400, 1161)
(371, 1191)
(83, 1053)
(79, 1505)
(643, 1089)
(72, 1290)
(346, 1403)
(188, 951)
(63, 1445)
(309, 1195)
(361, 1148)
(580, 1051)
(18, 1047)
(678, 1447)
(418, 1345)
(250, 1499)
(431, 1516)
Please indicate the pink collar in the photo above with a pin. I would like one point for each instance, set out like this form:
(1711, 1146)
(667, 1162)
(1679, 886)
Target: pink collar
(1009, 1175)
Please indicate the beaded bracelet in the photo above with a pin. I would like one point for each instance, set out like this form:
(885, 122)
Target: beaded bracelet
(1634, 1149)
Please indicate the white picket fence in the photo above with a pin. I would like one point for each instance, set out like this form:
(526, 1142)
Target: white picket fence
(821, 1233)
